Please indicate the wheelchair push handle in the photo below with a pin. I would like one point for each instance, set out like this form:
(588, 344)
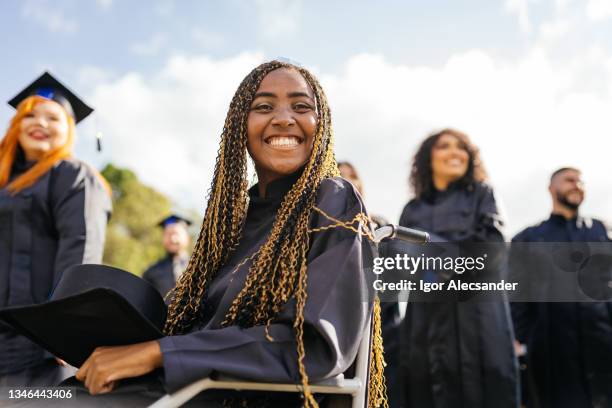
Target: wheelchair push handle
(391, 231)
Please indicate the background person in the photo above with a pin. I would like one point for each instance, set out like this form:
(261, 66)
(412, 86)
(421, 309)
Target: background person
(164, 273)
(455, 354)
(389, 310)
(569, 344)
(53, 214)
(349, 172)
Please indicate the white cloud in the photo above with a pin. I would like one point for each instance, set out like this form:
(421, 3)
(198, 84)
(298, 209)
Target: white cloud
(562, 5)
(48, 15)
(278, 17)
(598, 10)
(167, 127)
(555, 30)
(521, 9)
(528, 115)
(150, 47)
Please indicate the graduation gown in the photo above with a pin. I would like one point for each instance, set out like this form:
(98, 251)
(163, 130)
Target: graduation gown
(58, 222)
(457, 354)
(161, 275)
(338, 303)
(569, 345)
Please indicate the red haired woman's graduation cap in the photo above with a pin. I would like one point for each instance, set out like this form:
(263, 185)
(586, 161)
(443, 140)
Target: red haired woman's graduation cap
(49, 87)
(91, 306)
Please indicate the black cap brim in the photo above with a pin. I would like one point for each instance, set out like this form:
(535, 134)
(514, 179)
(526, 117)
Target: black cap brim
(72, 328)
(60, 93)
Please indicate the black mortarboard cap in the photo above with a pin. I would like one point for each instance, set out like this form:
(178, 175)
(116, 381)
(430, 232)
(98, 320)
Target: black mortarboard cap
(91, 306)
(173, 219)
(49, 87)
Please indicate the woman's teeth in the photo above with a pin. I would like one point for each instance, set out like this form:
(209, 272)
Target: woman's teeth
(283, 141)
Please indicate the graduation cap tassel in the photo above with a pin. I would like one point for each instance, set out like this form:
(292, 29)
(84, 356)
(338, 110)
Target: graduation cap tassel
(98, 133)
(99, 140)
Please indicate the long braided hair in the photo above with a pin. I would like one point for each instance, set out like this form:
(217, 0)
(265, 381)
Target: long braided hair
(278, 271)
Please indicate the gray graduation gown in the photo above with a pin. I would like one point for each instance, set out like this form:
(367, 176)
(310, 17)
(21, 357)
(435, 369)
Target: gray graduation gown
(58, 222)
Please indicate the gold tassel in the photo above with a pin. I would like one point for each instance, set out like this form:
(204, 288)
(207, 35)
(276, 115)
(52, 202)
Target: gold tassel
(377, 388)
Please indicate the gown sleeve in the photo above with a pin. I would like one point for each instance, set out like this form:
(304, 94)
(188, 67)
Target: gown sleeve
(489, 221)
(523, 313)
(81, 208)
(338, 303)
(403, 221)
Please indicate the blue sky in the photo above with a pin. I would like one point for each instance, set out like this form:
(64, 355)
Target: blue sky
(104, 33)
(530, 80)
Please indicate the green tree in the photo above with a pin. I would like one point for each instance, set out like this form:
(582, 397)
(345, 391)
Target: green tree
(133, 240)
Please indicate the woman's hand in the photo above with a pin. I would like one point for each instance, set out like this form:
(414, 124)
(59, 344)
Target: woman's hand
(519, 349)
(61, 362)
(107, 365)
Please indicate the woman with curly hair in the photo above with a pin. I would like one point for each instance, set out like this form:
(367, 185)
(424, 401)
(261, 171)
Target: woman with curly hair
(456, 354)
(275, 289)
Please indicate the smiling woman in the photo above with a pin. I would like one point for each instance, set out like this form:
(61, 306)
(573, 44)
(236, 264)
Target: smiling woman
(276, 288)
(53, 214)
(456, 353)
(281, 125)
(43, 129)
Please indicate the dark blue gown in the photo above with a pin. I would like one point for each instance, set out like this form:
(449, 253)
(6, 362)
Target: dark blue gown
(161, 275)
(569, 344)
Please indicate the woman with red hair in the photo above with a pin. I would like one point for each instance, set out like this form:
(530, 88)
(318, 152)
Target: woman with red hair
(53, 214)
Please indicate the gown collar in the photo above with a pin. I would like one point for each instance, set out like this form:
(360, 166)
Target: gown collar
(559, 219)
(20, 164)
(277, 189)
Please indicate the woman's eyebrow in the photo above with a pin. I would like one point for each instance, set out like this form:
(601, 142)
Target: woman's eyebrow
(299, 94)
(263, 94)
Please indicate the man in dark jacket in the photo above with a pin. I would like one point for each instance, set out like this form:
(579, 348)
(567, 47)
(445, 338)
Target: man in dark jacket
(569, 344)
(164, 273)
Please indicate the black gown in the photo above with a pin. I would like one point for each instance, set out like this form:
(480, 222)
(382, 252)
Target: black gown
(161, 275)
(339, 300)
(569, 344)
(457, 354)
(335, 312)
(58, 222)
